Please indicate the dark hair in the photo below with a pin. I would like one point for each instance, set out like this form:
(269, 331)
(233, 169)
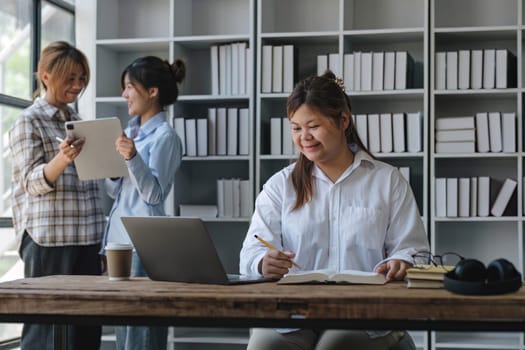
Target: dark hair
(326, 95)
(58, 59)
(151, 71)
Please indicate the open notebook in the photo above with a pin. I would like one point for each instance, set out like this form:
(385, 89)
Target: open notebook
(179, 249)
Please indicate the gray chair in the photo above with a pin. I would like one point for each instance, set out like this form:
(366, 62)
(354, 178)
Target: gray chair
(405, 343)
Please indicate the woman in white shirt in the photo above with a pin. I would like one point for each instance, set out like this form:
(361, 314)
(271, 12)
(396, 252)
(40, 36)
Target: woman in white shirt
(336, 208)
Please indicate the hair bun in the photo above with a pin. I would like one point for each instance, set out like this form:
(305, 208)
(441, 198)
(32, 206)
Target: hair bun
(179, 70)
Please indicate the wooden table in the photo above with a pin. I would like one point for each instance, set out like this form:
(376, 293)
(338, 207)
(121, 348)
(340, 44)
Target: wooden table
(61, 300)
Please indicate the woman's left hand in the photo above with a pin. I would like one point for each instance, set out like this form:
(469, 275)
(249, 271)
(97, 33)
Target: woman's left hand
(395, 270)
(126, 147)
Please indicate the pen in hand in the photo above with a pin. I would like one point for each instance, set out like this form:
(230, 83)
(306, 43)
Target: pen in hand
(273, 248)
(62, 140)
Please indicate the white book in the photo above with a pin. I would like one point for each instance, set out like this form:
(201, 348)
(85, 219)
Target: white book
(236, 197)
(385, 127)
(267, 58)
(277, 69)
(275, 136)
(403, 70)
(390, 71)
(348, 68)
(456, 135)
(233, 134)
(214, 69)
(452, 70)
(476, 69)
(441, 70)
(405, 172)
(483, 196)
(505, 69)
(246, 199)
(508, 129)
(212, 131)
(241, 51)
(482, 132)
(191, 137)
(473, 196)
(441, 197)
(322, 64)
(235, 68)
(357, 71)
(464, 197)
(366, 71)
(220, 197)
(202, 137)
(180, 128)
(456, 147)
(496, 144)
(200, 211)
(455, 123)
(228, 197)
(249, 68)
(287, 137)
(489, 68)
(222, 129)
(361, 125)
(377, 70)
(333, 63)
(374, 133)
(464, 69)
(503, 197)
(244, 131)
(288, 68)
(398, 131)
(414, 125)
(452, 197)
(229, 69)
(222, 70)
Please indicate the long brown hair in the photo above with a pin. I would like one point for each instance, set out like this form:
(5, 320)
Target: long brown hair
(58, 59)
(324, 94)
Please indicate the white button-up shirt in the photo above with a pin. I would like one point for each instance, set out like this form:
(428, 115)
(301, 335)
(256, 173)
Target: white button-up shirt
(368, 216)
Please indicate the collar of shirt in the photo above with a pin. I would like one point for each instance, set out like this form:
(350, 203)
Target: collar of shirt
(147, 128)
(361, 158)
(52, 111)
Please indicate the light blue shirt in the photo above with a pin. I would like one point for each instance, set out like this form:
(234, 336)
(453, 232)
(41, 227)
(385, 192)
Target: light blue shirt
(151, 174)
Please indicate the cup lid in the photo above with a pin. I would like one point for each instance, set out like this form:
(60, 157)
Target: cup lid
(118, 246)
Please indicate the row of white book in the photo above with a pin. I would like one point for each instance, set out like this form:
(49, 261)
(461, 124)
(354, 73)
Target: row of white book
(470, 197)
(234, 199)
(371, 71)
(475, 69)
(482, 133)
(277, 68)
(281, 142)
(225, 131)
(390, 132)
(230, 69)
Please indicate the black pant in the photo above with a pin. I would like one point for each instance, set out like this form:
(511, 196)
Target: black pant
(70, 260)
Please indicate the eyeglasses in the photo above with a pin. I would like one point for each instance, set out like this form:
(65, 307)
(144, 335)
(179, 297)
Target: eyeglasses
(425, 260)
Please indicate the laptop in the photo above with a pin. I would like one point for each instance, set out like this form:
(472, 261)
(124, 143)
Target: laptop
(179, 249)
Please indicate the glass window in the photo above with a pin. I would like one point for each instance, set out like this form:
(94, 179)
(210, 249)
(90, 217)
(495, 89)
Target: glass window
(7, 119)
(15, 34)
(57, 24)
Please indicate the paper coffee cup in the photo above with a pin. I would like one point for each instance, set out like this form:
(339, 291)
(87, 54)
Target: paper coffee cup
(118, 257)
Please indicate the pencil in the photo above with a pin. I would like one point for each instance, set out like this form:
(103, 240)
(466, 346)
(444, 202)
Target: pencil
(272, 247)
(62, 140)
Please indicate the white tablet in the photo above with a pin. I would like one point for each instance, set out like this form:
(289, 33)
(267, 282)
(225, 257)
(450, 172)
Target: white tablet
(98, 159)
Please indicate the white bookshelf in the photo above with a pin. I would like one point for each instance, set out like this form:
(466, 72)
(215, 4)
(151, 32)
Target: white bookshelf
(122, 30)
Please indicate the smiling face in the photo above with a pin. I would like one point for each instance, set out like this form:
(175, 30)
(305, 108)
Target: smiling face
(60, 93)
(141, 101)
(317, 136)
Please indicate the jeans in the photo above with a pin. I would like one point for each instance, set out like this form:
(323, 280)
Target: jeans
(140, 338)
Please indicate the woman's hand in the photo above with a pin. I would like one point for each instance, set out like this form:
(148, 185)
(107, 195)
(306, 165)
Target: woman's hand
(275, 263)
(126, 147)
(395, 270)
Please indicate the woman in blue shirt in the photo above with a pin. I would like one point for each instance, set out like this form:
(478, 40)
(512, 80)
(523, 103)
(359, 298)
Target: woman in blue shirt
(153, 153)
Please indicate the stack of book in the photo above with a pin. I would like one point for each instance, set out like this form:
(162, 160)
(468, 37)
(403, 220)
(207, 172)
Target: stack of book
(427, 276)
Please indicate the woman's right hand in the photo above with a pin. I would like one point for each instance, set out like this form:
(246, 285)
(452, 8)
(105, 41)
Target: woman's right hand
(70, 149)
(275, 263)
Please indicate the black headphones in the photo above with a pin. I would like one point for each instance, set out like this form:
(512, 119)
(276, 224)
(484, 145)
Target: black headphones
(470, 276)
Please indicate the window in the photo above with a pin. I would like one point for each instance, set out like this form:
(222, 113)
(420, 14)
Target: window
(26, 26)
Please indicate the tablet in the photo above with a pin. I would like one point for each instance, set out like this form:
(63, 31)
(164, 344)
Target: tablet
(98, 159)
